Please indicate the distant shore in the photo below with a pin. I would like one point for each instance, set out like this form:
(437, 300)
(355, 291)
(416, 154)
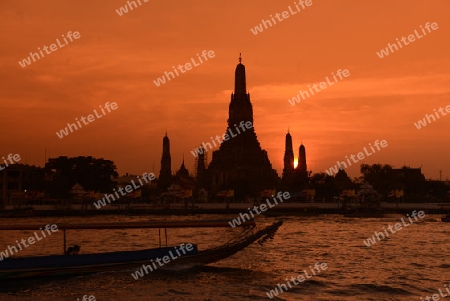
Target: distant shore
(222, 208)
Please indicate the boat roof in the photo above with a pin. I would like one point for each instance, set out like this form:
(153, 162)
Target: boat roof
(134, 225)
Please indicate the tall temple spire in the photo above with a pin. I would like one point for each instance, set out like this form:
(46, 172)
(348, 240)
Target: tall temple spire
(302, 159)
(240, 87)
(240, 163)
(288, 157)
(288, 147)
(165, 174)
(201, 176)
(183, 171)
(240, 108)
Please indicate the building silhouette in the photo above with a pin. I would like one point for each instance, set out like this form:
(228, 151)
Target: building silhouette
(183, 172)
(302, 159)
(183, 179)
(200, 170)
(18, 178)
(294, 178)
(165, 174)
(288, 170)
(240, 163)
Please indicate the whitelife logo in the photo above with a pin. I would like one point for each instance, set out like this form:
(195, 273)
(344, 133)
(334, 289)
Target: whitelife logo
(322, 85)
(436, 297)
(284, 15)
(27, 61)
(162, 80)
(300, 278)
(237, 221)
(90, 118)
(360, 156)
(128, 189)
(371, 241)
(16, 158)
(12, 249)
(166, 259)
(225, 137)
(124, 9)
(411, 38)
(423, 122)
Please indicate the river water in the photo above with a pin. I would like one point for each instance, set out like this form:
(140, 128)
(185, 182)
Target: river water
(409, 264)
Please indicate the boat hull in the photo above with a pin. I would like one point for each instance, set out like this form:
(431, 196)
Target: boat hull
(216, 254)
(65, 265)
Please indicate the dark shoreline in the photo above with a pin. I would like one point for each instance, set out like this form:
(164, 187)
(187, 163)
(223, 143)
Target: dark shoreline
(198, 211)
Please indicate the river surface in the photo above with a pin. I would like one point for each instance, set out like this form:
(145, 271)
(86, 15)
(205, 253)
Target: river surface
(409, 264)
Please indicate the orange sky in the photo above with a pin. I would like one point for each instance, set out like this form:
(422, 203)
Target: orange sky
(117, 58)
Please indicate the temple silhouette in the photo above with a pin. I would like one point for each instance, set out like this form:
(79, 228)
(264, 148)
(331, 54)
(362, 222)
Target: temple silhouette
(240, 163)
(165, 174)
(294, 177)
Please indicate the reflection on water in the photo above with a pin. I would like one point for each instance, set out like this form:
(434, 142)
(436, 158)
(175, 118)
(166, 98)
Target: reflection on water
(409, 264)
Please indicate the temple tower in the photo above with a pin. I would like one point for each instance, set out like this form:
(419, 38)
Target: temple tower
(240, 163)
(288, 169)
(302, 159)
(165, 174)
(183, 172)
(200, 175)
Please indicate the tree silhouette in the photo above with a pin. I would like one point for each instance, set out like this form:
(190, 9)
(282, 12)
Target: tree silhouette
(384, 178)
(324, 185)
(91, 173)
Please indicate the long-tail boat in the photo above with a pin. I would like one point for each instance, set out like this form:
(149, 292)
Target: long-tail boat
(67, 265)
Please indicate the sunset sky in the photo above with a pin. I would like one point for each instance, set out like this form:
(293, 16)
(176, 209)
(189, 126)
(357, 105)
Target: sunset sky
(117, 58)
